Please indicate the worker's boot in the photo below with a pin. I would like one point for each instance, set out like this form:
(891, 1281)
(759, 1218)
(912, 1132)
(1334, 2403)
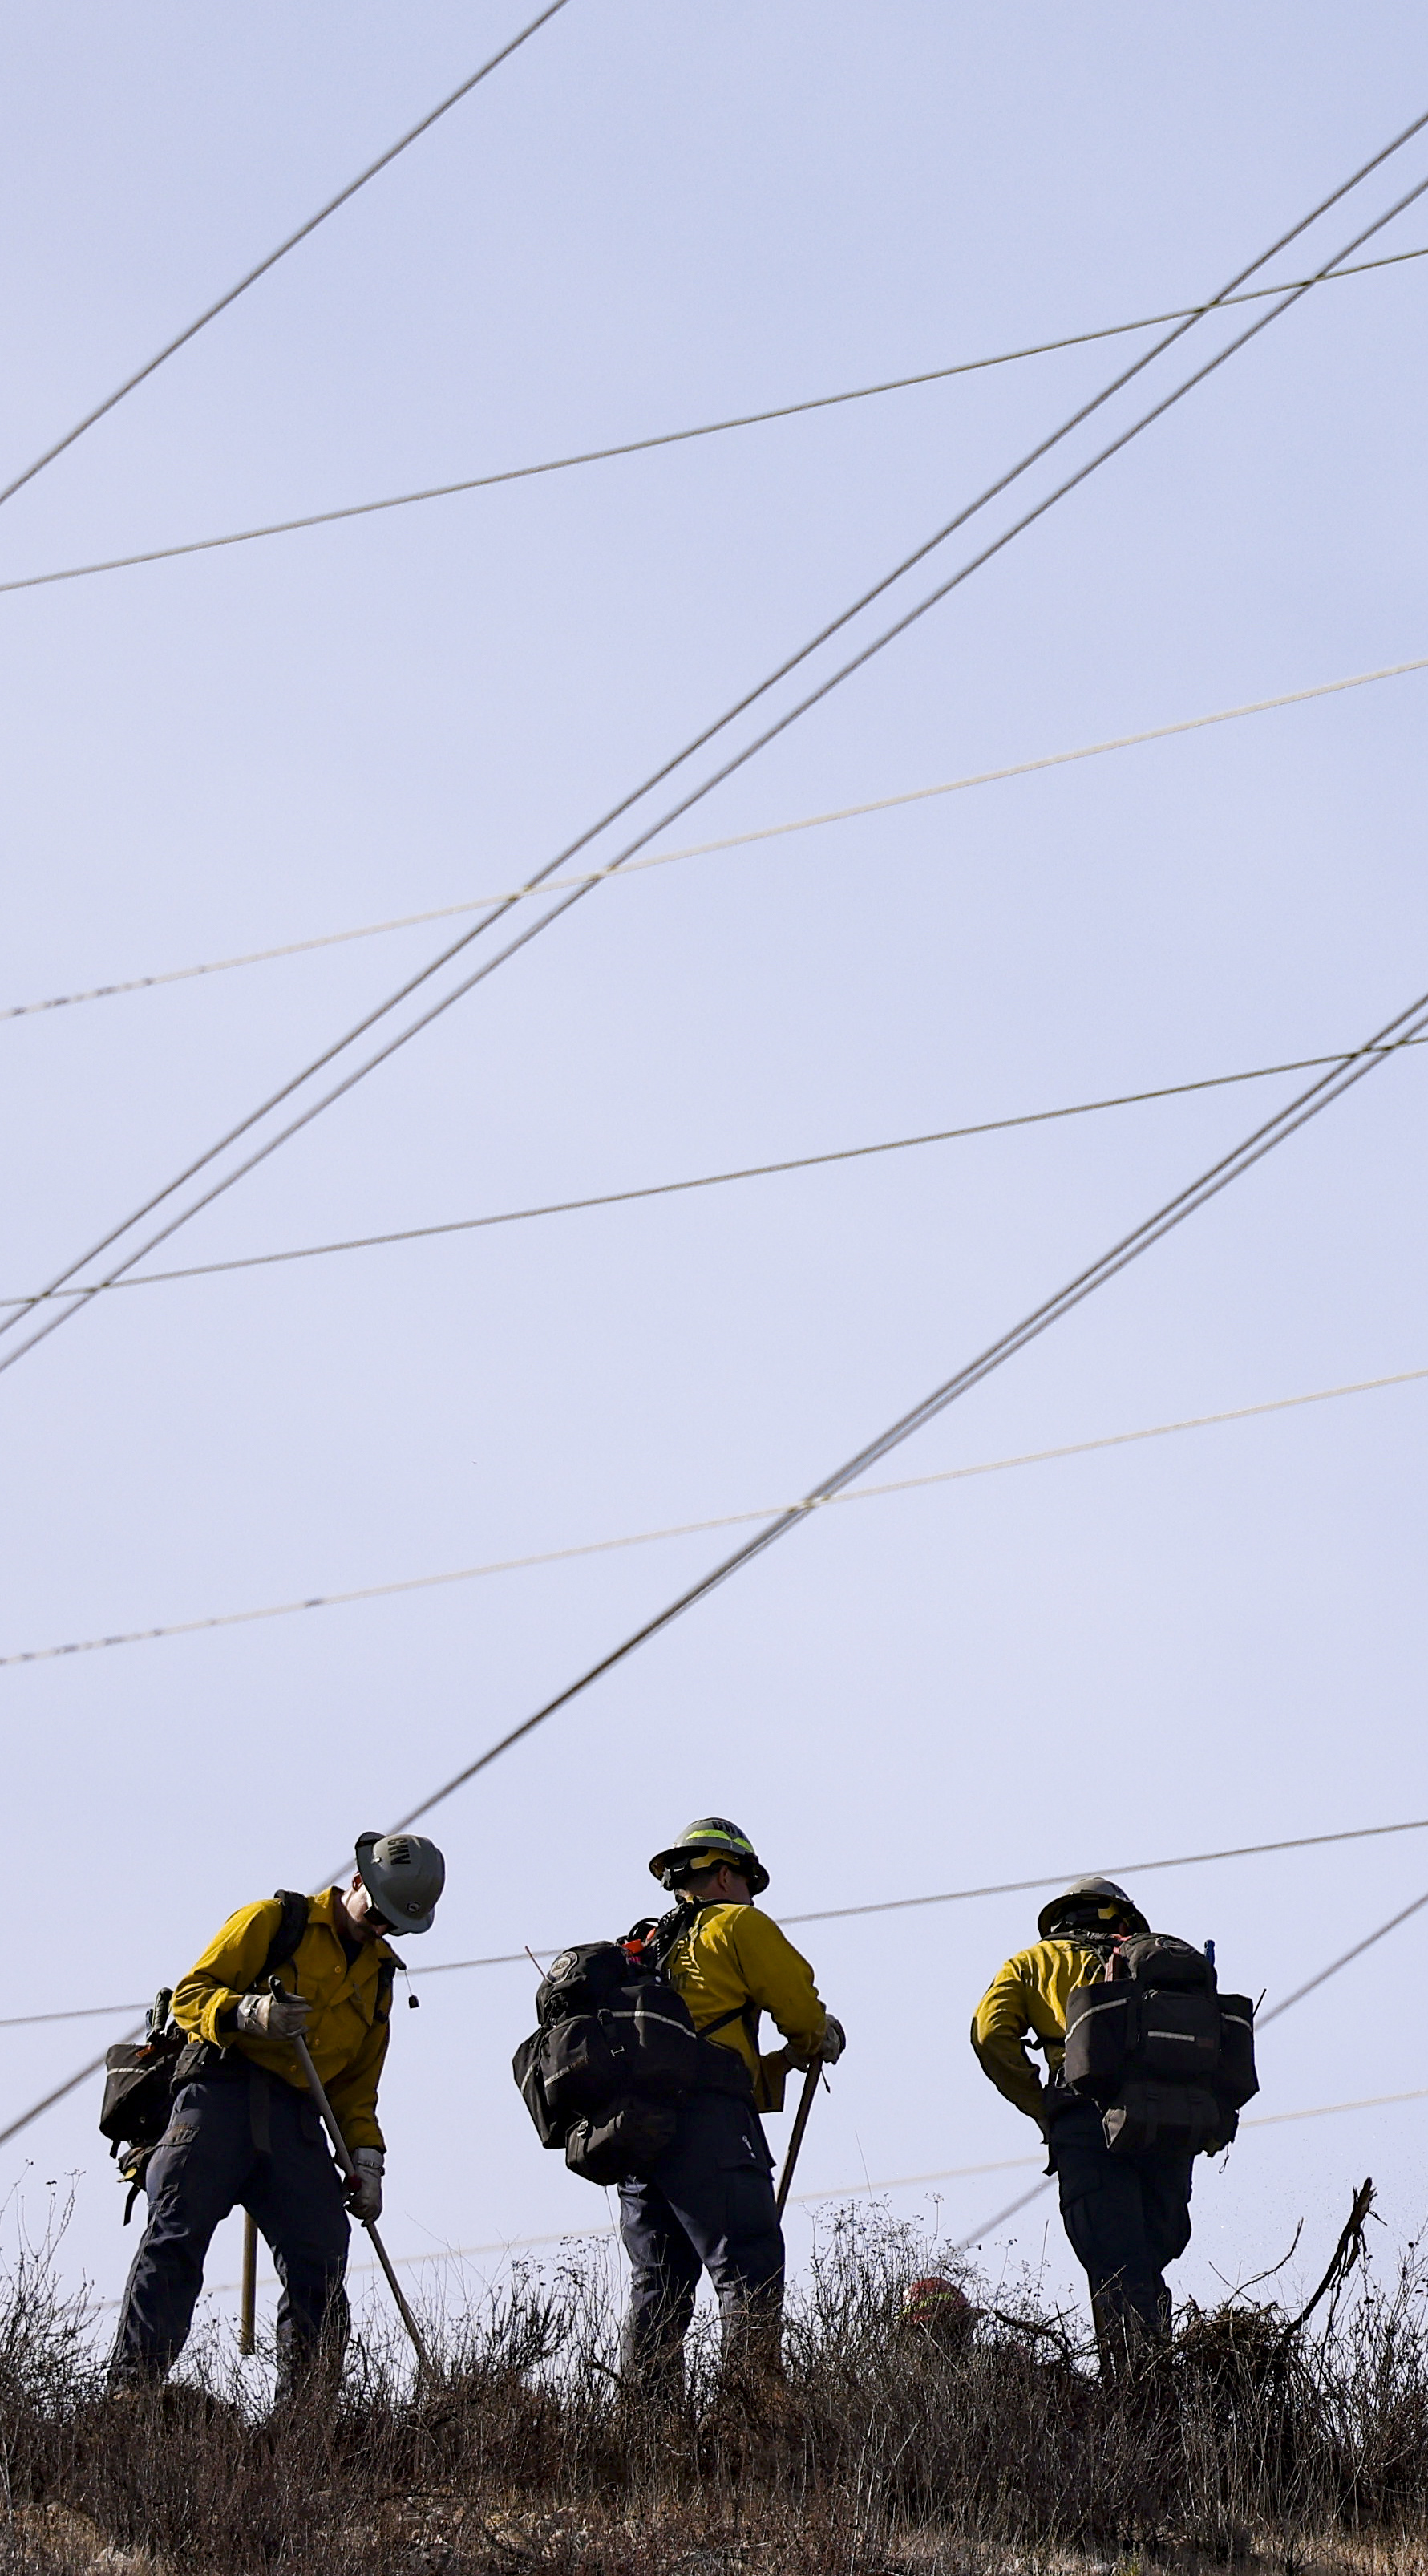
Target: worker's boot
(310, 2366)
(1136, 2366)
(656, 2380)
(751, 2395)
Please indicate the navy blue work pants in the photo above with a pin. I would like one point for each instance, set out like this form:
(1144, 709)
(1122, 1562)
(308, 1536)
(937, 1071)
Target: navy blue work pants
(240, 2139)
(1127, 2216)
(707, 2206)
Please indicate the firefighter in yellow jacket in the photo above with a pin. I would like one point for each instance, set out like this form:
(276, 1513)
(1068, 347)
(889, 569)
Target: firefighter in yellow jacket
(244, 2129)
(1127, 2215)
(708, 2202)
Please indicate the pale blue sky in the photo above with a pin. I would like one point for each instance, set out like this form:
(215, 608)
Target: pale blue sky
(653, 216)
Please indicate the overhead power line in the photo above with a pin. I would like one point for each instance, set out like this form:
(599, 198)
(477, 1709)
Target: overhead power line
(691, 1529)
(737, 760)
(679, 437)
(861, 2190)
(1174, 1211)
(990, 2226)
(1140, 1869)
(893, 1905)
(1008, 2164)
(1336, 1964)
(212, 311)
(1261, 1141)
(1319, 2111)
(1275, 1131)
(71, 2084)
(705, 849)
(704, 1180)
(803, 2199)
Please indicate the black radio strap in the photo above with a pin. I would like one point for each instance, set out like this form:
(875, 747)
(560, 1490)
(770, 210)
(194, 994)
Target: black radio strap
(292, 1924)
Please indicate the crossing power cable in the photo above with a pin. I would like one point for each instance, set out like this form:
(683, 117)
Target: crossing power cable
(728, 767)
(701, 1180)
(864, 2188)
(212, 311)
(1336, 1964)
(704, 849)
(839, 2191)
(1218, 1176)
(693, 1529)
(900, 1905)
(679, 437)
(1007, 2164)
(1263, 1140)
(72, 2082)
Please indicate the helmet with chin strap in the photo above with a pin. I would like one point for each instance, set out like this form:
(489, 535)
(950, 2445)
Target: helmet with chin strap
(1090, 1905)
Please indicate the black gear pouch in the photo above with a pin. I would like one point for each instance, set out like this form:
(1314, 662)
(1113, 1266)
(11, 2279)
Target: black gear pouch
(623, 2143)
(1167, 2119)
(137, 2079)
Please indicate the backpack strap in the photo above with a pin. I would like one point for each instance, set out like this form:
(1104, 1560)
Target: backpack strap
(738, 2012)
(292, 1924)
(386, 1979)
(660, 1941)
(659, 1946)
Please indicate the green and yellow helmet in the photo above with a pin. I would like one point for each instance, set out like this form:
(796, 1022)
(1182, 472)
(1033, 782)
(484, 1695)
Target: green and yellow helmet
(703, 1845)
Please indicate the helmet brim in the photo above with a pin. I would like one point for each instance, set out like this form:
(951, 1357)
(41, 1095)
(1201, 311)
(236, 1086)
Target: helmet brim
(1047, 1919)
(678, 1857)
(399, 1931)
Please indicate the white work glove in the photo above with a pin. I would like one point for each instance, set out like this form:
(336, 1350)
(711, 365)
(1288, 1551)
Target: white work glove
(364, 2190)
(833, 2042)
(273, 2016)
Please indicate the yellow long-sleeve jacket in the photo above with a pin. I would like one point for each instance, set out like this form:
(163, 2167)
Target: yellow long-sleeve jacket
(351, 2014)
(734, 1955)
(1026, 1998)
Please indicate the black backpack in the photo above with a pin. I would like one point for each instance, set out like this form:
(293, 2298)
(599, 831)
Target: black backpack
(140, 2076)
(616, 2052)
(1167, 2058)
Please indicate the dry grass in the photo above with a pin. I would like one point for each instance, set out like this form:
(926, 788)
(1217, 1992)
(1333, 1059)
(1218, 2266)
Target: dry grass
(881, 2455)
